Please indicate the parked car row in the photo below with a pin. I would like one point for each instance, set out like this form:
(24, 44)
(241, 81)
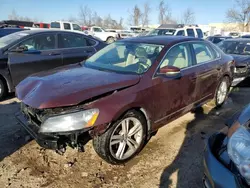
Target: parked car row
(31, 51)
(101, 92)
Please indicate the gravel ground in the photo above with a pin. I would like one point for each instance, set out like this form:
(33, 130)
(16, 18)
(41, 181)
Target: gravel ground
(172, 158)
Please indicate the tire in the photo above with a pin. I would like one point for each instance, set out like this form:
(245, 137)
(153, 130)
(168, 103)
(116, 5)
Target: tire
(222, 92)
(3, 89)
(110, 40)
(117, 150)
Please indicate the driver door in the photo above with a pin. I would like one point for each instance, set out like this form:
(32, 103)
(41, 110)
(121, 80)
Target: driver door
(42, 55)
(175, 96)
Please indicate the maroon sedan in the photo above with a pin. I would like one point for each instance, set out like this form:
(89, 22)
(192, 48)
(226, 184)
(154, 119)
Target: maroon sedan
(123, 94)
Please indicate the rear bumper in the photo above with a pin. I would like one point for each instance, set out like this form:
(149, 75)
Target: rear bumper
(215, 173)
(45, 141)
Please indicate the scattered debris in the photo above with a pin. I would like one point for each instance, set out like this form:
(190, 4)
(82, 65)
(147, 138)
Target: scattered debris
(84, 174)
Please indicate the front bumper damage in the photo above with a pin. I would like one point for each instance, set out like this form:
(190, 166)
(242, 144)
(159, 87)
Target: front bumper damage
(45, 141)
(31, 119)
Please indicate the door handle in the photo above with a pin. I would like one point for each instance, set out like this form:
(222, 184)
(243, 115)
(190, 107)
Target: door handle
(54, 53)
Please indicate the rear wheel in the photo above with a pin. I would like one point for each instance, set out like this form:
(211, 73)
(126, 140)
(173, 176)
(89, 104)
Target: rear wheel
(123, 140)
(222, 92)
(3, 89)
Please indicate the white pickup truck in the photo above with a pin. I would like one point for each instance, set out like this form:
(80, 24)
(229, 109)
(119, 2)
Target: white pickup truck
(103, 35)
(62, 25)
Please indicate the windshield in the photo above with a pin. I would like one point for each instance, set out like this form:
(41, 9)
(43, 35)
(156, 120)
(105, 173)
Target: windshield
(8, 39)
(162, 32)
(235, 47)
(125, 57)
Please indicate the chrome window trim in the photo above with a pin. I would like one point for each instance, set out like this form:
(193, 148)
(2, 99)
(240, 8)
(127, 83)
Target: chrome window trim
(34, 35)
(185, 42)
(86, 37)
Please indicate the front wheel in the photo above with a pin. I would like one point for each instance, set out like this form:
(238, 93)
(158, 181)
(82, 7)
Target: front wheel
(110, 40)
(123, 140)
(222, 92)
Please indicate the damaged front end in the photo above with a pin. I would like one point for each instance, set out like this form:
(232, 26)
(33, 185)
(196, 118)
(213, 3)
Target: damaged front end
(60, 127)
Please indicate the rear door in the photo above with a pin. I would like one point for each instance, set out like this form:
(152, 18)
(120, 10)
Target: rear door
(42, 55)
(75, 47)
(207, 67)
(175, 96)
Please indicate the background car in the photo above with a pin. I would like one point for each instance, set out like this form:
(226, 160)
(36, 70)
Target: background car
(126, 92)
(27, 52)
(177, 30)
(239, 48)
(217, 39)
(227, 154)
(8, 30)
(245, 36)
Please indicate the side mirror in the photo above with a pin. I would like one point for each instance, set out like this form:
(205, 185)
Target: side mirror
(170, 72)
(20, 49)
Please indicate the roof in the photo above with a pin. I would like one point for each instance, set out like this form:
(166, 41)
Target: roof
(160, 39)
(35, 31)
(239, 39)
(175, 26)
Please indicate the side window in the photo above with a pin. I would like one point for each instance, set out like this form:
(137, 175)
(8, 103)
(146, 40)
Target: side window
(180, 33)
(178, 56)
(200, 33)
(190, 32)
(91, 42)
(76, 27)
(40, 42)
(96, 29)
(202, 53)
(66, 26)
(72, 41)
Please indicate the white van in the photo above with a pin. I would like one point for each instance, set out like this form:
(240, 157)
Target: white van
(178, 30)
(62, 25)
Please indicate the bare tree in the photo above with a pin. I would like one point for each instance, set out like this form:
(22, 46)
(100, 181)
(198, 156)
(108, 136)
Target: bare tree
(240, 13)
(13, 15)
(135, 16)
(145, 14)
(188, 16)
(85, 15)
(165, 13)
(121, 23)
(97, 20)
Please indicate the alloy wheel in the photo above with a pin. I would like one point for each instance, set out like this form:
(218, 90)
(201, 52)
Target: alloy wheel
(126, 138)
(222, 92)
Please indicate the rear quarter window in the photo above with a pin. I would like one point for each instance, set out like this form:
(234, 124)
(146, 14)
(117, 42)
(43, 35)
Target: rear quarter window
(203, 52)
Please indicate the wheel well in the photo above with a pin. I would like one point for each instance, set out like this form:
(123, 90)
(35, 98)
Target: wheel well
(4, 80)
(110, 37)
(143, 112)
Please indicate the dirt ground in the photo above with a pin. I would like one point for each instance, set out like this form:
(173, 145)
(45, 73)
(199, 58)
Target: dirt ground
(172, 158)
